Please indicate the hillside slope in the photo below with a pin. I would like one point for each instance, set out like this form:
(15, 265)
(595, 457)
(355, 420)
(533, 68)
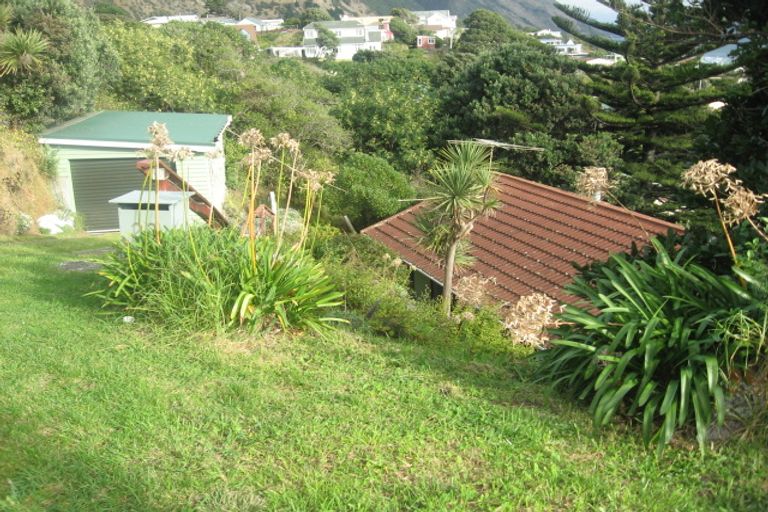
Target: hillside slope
(524, 13)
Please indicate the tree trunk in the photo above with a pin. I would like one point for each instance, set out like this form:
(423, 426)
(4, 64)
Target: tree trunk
(448, 279)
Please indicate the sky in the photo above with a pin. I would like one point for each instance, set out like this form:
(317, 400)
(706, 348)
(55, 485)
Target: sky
(597, 10)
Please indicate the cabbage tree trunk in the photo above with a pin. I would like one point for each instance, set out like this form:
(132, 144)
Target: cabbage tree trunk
(450, 262)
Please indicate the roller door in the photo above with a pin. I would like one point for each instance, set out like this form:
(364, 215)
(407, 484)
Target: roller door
(95, 182)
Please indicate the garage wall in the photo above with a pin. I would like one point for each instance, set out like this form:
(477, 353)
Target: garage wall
(207, 176)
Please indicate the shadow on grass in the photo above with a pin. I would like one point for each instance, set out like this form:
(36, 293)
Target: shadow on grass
(33, 263)
(501, 378)
(42, 476)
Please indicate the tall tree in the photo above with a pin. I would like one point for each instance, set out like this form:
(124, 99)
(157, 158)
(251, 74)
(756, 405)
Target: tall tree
(485, 30)
(77, 62)
(459, 192)
(739, 135)
(656, 98)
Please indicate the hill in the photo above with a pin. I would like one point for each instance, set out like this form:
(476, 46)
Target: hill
(523, 13)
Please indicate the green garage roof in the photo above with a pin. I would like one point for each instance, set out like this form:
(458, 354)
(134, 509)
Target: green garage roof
(129, 129)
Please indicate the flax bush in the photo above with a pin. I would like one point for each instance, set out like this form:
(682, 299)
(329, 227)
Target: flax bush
(656, 342)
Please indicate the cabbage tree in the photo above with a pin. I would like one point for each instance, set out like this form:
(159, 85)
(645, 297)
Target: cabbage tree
(459, 192)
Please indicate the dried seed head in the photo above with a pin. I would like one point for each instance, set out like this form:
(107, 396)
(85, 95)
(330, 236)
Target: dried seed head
(152, 152)
(707, 177)
(251, 139)
(741, 204)
(284, 141)
(181, 154)
(316, 179)
(213, 154)
(160, 137)
(594, 182)
(528, 319)
(472, 289)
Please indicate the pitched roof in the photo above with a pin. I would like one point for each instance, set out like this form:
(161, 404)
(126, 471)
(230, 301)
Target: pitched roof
(532, 241)
(335, 24)
(129, 129)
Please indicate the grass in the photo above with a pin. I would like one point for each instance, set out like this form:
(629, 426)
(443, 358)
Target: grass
(96, 414)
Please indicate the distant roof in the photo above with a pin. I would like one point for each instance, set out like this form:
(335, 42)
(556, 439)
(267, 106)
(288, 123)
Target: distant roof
(430, 13)
(262, 21)
(367, 20)
(531, 242)
(342, 40)
(129, 129)
(335, 24)
(161, 20)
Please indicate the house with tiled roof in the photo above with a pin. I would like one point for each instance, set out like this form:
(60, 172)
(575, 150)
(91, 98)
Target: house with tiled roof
(531, 242)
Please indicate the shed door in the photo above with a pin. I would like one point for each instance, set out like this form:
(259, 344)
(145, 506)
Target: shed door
(95, 182)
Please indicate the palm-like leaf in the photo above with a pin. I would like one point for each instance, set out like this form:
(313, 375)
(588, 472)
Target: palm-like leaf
(21, 51)
(460, 190)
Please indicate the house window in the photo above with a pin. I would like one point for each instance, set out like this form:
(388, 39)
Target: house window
(431, 40)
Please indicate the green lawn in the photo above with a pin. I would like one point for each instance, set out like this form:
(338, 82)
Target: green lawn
(96, 414)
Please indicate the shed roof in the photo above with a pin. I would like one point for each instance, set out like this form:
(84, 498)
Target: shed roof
(532, 241)
(129, 129)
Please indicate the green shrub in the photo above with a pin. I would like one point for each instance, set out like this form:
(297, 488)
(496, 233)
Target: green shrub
(286, 288)
(377, 296)
(482, 329)
(368, 189)
(204, 279)
(650, 342)
(186, 279)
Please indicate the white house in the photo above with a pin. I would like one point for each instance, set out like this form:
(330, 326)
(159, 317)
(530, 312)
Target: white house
(373, 23)
(609, 60)
(261, 24)
(570, 48)
(353, 36)
(547, 33)
(554, 38)
(442, 23)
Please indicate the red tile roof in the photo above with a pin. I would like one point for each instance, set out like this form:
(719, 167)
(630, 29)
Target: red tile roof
(532, 241)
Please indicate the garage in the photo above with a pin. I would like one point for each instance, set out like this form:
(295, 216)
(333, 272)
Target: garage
(97, 181)
(97, 156)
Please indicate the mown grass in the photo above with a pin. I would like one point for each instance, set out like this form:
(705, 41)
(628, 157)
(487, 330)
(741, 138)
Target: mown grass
(96, 414)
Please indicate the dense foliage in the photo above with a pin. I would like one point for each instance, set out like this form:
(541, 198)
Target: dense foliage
(657, 342)
(75, 65)
(367, 189)
(656, 98)
(369, 89)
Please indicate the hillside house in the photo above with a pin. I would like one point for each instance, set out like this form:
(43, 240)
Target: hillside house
(373, 23)
(353, 37)
(426, 42)
(530, 244)
(159, 21)
(98, 156)
(262, 24)
(442, 23)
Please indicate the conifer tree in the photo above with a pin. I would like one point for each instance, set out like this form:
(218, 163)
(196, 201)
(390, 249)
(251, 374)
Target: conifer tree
(655, 98)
